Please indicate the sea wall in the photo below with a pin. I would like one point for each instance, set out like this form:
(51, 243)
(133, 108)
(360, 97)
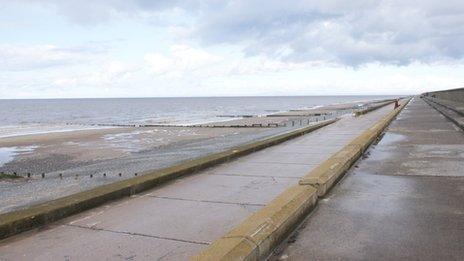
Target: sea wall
(456, 95)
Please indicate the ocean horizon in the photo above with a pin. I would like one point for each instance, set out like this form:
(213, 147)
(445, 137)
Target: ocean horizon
(157, 110)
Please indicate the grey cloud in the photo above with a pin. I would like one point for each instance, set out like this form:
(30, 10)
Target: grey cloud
(95, 12)
(386, 32)
(350, 33)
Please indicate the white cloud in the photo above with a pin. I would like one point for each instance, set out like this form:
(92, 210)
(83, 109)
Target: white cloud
(260, 65)
(180, 59)
(118, 69)
(64, 82)
(107, 74)
(22, 57)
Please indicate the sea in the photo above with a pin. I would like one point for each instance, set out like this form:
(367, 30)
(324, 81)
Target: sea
(32, 116)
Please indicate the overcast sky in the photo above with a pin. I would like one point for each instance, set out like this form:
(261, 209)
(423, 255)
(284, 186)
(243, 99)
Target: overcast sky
(142, 48)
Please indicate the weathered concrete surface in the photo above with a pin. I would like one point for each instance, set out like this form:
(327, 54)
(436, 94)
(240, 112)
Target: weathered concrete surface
(404, 202)
(458, 107)
(257, 236)
(454, 112)
(184, 216)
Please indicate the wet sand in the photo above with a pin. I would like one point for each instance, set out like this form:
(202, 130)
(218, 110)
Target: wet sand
(99, 144)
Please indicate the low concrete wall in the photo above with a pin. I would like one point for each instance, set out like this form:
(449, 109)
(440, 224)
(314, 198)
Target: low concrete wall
(372, 108)
(259, 234)
(456, 95)
(457, 107)
(451, 113)
(325, 175)
(18, 221)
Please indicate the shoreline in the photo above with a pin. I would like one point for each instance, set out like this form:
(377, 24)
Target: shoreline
(76, 127)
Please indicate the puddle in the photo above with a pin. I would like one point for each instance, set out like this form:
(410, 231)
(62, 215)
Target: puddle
(391, 138)
(7, 154)
(384, 151)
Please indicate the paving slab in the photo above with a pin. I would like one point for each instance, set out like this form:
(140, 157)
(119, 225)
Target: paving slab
(403, 202)
(247, 190)
(74, 243)
(307, 149)
(260, 169)
(195, 209)
(172, 219)
(287, 157)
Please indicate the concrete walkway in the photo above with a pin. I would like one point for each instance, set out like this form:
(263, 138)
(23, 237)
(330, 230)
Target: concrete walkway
(404, 202)
(179, 219)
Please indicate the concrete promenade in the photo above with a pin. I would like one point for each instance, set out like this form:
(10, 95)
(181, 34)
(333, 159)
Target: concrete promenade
(179, 219)
(403, 202)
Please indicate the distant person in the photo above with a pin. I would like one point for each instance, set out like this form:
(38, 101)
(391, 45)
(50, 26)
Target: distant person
(396, 104)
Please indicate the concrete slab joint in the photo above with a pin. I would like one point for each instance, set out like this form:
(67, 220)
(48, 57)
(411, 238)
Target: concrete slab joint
(265, 228)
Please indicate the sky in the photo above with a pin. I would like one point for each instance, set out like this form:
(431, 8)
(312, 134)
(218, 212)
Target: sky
(142, 48)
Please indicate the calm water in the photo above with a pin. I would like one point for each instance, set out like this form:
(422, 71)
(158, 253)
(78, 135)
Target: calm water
(28, 115)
